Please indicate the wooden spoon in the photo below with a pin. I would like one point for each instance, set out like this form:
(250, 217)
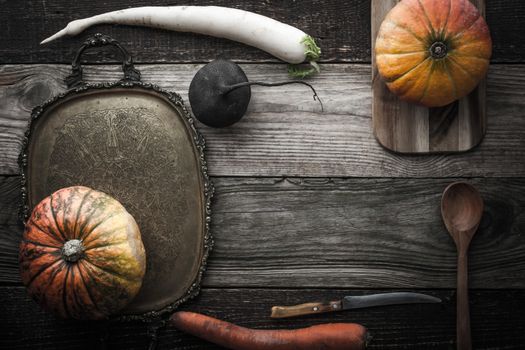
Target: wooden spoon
(462, 209)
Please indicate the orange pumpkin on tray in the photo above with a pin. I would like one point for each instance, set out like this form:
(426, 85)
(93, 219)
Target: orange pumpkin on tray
(81, 254)
(433, 52)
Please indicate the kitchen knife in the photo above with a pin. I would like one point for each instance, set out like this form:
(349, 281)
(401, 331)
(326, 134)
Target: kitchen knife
(353, 302)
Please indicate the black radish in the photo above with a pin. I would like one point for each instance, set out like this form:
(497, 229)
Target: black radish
(220, 92)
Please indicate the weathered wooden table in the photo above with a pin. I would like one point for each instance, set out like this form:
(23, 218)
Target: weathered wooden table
(308, 206)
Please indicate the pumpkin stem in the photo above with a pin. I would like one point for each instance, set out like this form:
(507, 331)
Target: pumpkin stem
(72, 250)
(438, 50)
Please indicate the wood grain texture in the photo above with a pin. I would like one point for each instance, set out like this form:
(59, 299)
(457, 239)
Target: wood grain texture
(284, 132)
(408, 128)
(496, 324)
(346, 233)
(281, 233)
(342, 29)
(10, 227)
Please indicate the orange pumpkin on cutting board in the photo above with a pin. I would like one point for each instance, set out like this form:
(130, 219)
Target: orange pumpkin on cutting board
(81, 254)
(433, 52)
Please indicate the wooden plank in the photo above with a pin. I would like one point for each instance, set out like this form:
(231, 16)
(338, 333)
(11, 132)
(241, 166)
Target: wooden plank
(341, 27)
(342, 38)
(344, 233)
(285, 133)
(408, 128)
(10, 227)
(495, 320)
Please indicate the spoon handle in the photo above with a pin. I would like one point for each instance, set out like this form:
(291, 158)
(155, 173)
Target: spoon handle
(462, 312)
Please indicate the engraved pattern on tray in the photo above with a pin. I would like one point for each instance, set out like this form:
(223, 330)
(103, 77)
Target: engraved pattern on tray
(119, 145)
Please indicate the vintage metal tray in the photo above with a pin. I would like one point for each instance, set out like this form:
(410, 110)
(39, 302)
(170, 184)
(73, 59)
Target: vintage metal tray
(137, 143)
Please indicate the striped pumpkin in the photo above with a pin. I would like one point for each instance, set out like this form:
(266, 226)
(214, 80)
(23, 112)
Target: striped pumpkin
(81, 255)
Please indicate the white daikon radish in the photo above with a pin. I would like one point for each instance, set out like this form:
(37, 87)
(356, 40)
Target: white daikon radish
(279, 39)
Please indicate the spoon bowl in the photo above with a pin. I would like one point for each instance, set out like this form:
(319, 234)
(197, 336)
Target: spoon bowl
(462, 209)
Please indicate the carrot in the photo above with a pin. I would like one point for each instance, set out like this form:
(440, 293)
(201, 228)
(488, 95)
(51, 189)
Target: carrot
(334, 336)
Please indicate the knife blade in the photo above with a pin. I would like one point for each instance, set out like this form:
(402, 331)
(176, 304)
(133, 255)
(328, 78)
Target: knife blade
(353, 302)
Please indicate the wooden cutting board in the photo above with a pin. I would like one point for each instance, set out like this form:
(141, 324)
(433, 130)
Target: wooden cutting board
(409, 128)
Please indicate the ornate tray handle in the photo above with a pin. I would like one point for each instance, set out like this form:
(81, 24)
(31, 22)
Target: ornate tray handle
(100, 40)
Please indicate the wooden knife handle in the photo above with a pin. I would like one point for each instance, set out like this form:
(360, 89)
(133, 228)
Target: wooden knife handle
(331, 336)
(305, 309)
